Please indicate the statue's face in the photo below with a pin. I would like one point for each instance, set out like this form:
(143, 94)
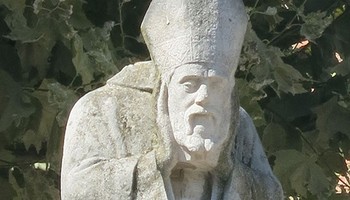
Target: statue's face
(199, 103)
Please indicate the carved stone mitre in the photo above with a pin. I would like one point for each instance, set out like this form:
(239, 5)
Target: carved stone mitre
(179, 32)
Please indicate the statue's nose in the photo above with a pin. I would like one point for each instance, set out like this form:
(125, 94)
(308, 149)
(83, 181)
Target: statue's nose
(202, 95)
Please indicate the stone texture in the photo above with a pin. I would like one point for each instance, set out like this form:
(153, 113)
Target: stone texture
(171, 128)
(110, 145)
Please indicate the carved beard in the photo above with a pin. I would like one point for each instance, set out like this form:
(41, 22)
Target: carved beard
(196, 133)
(195, 143)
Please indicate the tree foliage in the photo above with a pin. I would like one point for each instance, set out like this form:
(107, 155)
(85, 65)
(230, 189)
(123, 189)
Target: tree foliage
(293, 77)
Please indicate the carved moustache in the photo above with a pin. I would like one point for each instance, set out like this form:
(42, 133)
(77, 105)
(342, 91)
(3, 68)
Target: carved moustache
(191, 113)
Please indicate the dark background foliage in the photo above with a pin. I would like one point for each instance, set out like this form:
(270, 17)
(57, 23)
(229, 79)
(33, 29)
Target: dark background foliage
(293, 79)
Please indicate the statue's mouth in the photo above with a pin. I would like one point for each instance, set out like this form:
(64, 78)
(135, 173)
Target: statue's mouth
(197, 112)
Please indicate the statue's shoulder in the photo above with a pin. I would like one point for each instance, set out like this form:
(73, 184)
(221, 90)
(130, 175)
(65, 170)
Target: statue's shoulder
(132, 81)
(131, 87)
(141, 76)
(125, 106)
(248, 145)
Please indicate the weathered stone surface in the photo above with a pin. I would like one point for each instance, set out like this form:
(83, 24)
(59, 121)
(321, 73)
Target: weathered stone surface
(141, 76)
(171, 128)
(111, 140)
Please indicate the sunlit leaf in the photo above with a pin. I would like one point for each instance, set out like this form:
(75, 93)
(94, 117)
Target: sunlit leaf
(271, 11)
(42, 166)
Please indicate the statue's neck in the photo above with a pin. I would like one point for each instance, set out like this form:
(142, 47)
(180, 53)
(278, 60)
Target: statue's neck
(191, 176)
(189, 183)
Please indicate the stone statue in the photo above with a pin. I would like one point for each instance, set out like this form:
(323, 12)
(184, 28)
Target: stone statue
(171, 128)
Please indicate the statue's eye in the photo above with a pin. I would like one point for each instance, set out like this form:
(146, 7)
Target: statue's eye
(190, 86)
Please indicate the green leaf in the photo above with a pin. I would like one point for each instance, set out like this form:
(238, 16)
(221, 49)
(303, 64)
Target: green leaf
(78, 18)
(18, 24)
(300, 173)
(63, 98)
(298, 179)
(342, 68)
(46, 118)
(6, 155)
(19, 29)
(37, 6)
(17, 181)
(48, 111)
(271, 11)
(31, 138)
(18, 5)
(99, 48)
(335, 162)
(41, 184)
(35, 55)
(290, 108)
(33, 184)
(34, 52)
(254, 52)
(250, 55)
(54, 145)
(315, 24)
(288, 79)
(274, 138)
(7, 192)
(331, 119)
(14, 109)
(270, 16)
(343, 196)
(269, 68)
(81, 61)
(318, 183)
(249, 98)
(287, 162)
(55, 2)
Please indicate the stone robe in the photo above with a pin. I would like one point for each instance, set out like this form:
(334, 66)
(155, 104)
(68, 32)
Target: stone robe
(111, 142)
